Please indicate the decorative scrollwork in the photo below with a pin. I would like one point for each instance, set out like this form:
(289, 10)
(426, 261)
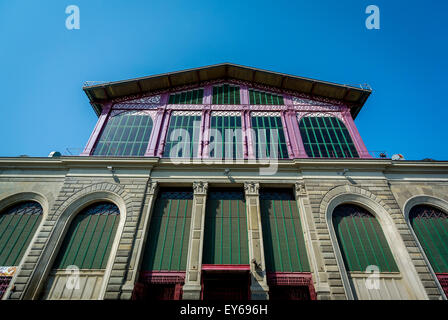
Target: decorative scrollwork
(200, 187)
(251, 188)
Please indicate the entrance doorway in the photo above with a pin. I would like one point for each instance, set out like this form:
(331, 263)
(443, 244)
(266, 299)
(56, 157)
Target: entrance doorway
(225, 285)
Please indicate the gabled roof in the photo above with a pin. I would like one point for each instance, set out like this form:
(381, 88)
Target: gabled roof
(355, 97)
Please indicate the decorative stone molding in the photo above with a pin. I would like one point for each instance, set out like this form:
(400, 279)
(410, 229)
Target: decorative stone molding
(300, 189)
(251, 188)
(152, 187)
(200, 187)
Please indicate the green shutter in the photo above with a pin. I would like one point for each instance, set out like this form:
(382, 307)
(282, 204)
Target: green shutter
(265, 144)
(225, 235)
(125, 134)
(326, 137)
(284, 244)
(188, 97)
(167, 244)
(265, 98)
(226, 94)
(18, 224)
(185, 144)
(227, 148)
(431, 227)
(361, 240)
(89, 239)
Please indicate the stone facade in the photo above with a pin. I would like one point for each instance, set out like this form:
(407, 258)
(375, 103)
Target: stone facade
(65, 185)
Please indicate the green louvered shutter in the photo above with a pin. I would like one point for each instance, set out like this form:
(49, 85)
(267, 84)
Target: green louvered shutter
(89, 239)
(361, 240)
(125, 134)
(228, 126)
(225, 235)
(167, 243)
(18, 224)
(431, 227)
(284, 244)
(187, 97)
(326, 137)
(264, 98)
(226, 94)
(182, 139)
(269, 139)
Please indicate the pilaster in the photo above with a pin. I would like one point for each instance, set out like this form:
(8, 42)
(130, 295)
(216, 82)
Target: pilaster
(309, 233)
(143, 228)
(192, 286)
(259, 288)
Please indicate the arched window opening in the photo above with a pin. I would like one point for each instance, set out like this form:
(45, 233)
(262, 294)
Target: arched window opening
(361, 240)
(326, 137)
(18, 223)
(85, 251)
(431, 228)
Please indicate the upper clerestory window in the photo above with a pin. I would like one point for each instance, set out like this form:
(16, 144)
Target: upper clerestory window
(187, 97)
(226, 94)
(266, 98)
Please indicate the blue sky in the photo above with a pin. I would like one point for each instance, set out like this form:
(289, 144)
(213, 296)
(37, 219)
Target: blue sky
(43, 65)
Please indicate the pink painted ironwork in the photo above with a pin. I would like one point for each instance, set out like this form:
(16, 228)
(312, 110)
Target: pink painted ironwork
(443, 280)
(292, 279)
(100, 124)
(226, 267)
(4, 283)
(296, 106)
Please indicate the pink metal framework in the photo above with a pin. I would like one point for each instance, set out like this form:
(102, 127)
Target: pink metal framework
(4, 283)
(148, 278)
(443, 280)
(288, 113)
(226, 267)
(292, 279)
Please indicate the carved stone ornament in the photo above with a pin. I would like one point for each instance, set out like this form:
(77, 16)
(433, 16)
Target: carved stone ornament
(152, 187)
(200, 187)
(251, 188)
(300, 189)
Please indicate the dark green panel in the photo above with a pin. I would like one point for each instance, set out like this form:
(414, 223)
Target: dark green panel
(226, 94)
(264, 98)
(188, 97)
(89, 238)
(167, 243)
(361, 240)
(225, 236)
(125, 134)
(18, 224)
(326, 137)
(283, 241)
(431, 228)
(230, 146)
(187, 142)
(267, 145)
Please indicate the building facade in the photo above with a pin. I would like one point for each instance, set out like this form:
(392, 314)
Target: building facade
(223, 182)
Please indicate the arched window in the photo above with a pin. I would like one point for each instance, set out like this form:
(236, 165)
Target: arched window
(125, 134)
(89, 239)
(361, 240)
(326, 137)
(431, 228)
(18, 224)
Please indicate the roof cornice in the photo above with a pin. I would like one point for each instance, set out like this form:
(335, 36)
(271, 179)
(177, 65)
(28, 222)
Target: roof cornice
(353, 96)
